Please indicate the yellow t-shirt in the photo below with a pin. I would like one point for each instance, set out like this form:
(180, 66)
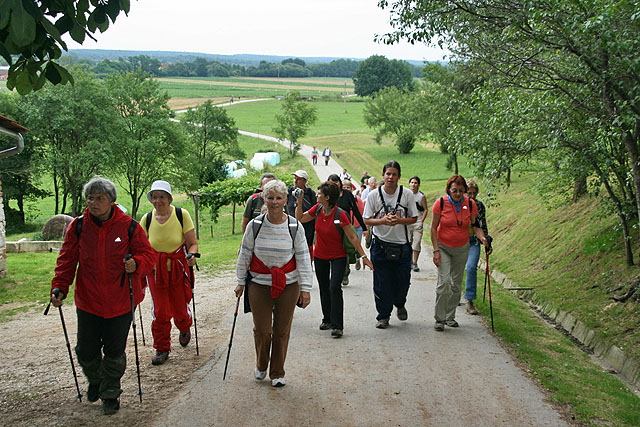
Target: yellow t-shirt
(169, 236)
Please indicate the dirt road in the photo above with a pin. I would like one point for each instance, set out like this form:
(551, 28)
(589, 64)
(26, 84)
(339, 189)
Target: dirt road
(406, 375)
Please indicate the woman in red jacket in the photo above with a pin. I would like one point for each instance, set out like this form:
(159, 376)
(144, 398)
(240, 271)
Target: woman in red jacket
(96, 243)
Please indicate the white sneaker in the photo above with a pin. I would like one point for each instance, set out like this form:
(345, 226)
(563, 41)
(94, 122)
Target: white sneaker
(278, 382)
(260, 374)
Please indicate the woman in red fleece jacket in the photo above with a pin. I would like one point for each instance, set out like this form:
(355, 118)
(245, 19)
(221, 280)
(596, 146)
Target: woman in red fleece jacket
(97, 248)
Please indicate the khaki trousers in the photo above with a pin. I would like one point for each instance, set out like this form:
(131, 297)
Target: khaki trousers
(450, 273)
(272, 325)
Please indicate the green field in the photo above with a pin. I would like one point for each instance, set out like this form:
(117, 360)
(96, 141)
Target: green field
(216, 87)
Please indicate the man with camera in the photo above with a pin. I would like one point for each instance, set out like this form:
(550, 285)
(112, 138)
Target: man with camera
(300, 178)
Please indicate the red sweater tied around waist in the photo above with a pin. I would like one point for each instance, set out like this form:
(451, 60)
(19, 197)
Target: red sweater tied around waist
(278, 278)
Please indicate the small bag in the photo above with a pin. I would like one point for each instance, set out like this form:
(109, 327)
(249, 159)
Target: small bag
(348, 246)
(392, 251)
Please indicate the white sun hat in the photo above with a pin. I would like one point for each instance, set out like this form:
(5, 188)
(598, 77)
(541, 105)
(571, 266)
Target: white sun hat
(159, 185)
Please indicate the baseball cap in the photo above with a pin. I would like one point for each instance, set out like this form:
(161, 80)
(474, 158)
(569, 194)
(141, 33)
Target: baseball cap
(159, 185)
(301, 174)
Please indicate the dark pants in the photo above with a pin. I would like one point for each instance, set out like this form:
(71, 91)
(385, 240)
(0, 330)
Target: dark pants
(329, 273)
(391, 279)
(98, 336)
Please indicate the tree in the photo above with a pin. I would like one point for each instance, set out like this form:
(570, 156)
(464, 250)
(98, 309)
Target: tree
(147, 145)
(294, 120)
(76, 123)
(377, 72)
(584, 53)
(33, 31)
(398, 113)
(214, 136)
(19, 173)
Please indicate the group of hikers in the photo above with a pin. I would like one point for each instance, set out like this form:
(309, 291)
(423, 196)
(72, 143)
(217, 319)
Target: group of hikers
(286, 230)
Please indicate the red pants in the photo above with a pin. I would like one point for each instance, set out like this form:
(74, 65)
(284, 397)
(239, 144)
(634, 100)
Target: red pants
(169, 301)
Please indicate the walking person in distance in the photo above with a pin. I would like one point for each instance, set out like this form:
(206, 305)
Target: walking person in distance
(96, 243)
(388, 211)
(453, 215)
(172, 236)
(326, 153)
(274, 260)
(300, 178)
(416, 230)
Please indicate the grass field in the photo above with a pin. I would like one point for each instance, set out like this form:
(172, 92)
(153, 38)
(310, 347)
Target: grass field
(247, 87)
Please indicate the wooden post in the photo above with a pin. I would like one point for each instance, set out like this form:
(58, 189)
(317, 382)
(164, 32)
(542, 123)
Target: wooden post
(233, 219)
(195, 204)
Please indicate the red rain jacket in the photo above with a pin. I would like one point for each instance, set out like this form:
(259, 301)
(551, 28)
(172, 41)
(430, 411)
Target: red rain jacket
(98, 254)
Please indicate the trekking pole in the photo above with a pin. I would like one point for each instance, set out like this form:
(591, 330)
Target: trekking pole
(141, 325)
(56, 292)
(488, 278)
(485, 287)
(135, 338)
(193, 298)
(235, 316)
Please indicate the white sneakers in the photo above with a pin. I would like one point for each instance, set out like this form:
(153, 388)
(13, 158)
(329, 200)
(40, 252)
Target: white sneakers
(278, 382)
(260, 374)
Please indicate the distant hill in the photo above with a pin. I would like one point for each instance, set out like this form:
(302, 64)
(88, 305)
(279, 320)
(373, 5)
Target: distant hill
(244, 59)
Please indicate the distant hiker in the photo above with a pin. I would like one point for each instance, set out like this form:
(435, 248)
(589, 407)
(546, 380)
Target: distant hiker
(348, 203)
(96, 244)
(274, 261)
(371, 186)
(172, 235)
(344, 175)
(346, 186)
(314, 156)
(330, 256)
(416, 230)
(364, 178)
(326, 153)
(453, 215)
(254, 204)
(300, 178)
(474, 249)
(388, 211)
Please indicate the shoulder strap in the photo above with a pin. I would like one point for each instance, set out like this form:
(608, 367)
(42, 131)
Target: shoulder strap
(384, 205)
(441, 204)
(336, 220)
(399, 197)
(132, 228)
(470, 210)
(79, 225)
(179, 215)
(257, 225)
(293, 230)
(147, 221)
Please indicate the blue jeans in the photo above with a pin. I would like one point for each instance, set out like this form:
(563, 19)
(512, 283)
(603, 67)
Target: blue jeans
(472, 268)
(391, 279)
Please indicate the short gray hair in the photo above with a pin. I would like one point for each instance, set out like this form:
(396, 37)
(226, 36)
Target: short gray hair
(275, 186)
(97, 185)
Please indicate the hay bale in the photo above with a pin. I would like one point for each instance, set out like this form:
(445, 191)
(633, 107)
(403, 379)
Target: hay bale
(55, 227)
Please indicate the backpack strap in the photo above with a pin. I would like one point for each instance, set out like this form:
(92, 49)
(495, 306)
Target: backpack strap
(147, 221)
(293, 227)
(132, 228)
(79, 225)
(336, 220)
(257, 225)
(179, 215)
(441, 204)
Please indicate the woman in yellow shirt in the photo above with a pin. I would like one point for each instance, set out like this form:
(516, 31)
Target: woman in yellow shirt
(170, 282)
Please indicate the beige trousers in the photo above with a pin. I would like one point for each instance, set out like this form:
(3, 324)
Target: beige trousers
(450, 275)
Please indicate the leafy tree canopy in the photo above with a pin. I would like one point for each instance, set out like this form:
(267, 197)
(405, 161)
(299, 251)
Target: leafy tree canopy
(295, 119)
(377, 72)
(33, 30)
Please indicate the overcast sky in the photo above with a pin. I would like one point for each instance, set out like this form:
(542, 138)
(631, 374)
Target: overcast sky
(340, 28)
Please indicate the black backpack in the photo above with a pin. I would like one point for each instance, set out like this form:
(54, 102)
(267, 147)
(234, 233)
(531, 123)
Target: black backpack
(442, 204)
(79, 221)
(257, 225)
(386, 211)
(346, 243)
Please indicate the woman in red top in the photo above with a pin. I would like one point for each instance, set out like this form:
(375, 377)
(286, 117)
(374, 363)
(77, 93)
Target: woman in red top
(452, 216)
(329, 256)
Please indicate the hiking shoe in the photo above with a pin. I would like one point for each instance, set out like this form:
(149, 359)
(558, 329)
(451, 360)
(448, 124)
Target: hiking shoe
(93, 393)
(414, 267)
(451, 323)
(185, 338)
(160, 358)
(278, 382)
(358, 264)
(382, 324)
(345, 281)
(259, 374)
(471, 308)
(402, 313)
(336, 333)
(110, 406)
(439, 326)
(325, 326)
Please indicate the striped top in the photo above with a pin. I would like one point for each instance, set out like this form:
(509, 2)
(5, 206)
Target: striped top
(273, 247)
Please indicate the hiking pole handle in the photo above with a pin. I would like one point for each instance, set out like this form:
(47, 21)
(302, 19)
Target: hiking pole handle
(56, 292)
(191, 255)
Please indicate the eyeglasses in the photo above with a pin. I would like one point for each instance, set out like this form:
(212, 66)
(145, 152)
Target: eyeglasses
(456, 191)
(96, 199)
